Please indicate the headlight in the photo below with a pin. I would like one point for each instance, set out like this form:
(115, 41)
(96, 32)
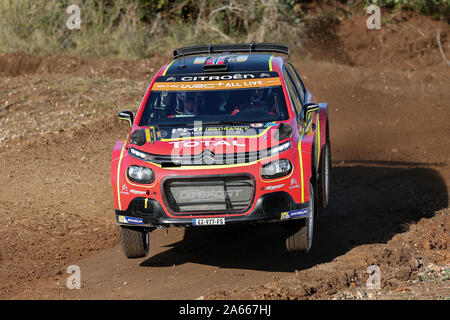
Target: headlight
(276, 169)
(140, 174)
(140, 155)
(280, 148)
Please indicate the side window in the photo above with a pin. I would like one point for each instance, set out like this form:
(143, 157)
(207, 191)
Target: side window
(297, 80)
(293, 94)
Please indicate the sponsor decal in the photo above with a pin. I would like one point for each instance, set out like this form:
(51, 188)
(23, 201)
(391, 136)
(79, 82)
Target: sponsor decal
(199, 60)
(294, 214)
(216, 85)
(215, 61)
(137, 191)
(219, 195)
(216, 81)
(236, 76)
(270, 124)
(163, 133)
(130, 220)
(257, 125)
(214, 131)
(195, 129)
(275, 187)
(152, 135)
(217, 77)
(238, 59)
(226, 128)
(220, 59)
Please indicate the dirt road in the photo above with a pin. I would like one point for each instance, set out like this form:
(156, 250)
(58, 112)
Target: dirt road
(390, 134)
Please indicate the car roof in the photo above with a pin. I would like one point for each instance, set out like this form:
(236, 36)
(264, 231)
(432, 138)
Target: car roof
(236, 62)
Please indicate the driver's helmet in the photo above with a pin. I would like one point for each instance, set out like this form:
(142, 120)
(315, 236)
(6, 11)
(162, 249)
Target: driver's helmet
(181, 98)
(256, 95)
(191, 102)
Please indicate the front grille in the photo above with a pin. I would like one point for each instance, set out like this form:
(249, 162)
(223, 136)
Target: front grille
(215, 195)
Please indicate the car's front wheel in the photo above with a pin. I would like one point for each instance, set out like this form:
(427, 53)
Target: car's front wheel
(300, 233)
(324, 176)
(135, 242)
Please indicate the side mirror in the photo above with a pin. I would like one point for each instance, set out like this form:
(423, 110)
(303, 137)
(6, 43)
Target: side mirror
(127, 115)
(308, 109)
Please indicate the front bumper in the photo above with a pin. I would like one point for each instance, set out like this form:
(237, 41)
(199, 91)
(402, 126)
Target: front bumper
(147, 212)
(152, 206)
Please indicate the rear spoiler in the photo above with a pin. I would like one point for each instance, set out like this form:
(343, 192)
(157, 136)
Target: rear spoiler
(231, 48)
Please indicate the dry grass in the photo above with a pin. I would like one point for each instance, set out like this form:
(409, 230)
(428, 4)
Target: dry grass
(124, 29)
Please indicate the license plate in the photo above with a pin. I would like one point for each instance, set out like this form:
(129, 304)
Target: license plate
(208, 222)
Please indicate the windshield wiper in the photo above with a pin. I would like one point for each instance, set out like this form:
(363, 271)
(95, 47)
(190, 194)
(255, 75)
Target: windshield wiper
(203, 123)
(215, 123)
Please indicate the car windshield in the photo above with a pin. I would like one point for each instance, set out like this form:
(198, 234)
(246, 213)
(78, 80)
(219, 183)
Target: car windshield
(249, 103)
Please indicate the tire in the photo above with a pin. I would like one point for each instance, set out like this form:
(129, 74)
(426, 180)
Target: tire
(135, 243)
(323, 188)
(300, 233)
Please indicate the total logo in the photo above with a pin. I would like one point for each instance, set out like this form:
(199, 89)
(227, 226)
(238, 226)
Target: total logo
(271, 188)
(190, 144)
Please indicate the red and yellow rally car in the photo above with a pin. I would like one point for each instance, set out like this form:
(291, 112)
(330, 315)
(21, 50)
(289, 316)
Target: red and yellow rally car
(226, 133)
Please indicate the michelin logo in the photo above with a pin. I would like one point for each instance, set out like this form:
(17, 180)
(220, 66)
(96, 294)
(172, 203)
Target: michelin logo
(294, 214)
(130, 220)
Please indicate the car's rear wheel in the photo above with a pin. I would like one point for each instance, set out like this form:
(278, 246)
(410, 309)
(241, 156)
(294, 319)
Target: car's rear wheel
(300, 233)
(324, 176)
(135, 242)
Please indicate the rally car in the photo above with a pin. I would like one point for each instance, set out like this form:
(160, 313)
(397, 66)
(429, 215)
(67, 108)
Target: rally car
(225, 134)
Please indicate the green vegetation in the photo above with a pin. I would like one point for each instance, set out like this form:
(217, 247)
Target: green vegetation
(132, 29)
(143, 28)
(439, 9)
(39, 26)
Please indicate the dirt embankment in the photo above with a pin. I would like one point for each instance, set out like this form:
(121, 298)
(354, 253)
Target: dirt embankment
(389, 112)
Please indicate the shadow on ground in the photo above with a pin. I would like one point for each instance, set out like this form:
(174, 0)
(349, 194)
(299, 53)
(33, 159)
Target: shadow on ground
(368, 204)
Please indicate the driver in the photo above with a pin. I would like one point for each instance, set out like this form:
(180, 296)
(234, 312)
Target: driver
(188, 103)
(257, 101)
(256, 97)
